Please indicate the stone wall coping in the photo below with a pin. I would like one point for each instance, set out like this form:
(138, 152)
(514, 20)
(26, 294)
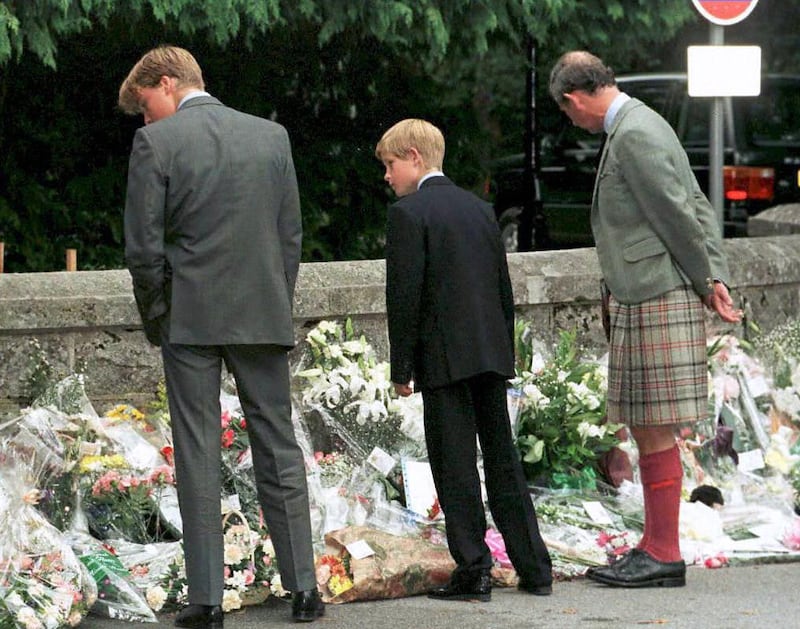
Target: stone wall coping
(69, 300)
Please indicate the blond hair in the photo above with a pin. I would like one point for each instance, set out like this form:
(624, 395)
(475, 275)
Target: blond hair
(168, 61)
(413, 133)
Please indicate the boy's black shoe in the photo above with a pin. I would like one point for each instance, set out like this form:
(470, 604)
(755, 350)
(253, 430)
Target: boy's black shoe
(200, 617)
(532, 588)
(465, 587)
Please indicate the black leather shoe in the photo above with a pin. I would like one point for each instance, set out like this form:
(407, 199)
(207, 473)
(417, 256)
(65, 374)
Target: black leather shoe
(307, 606)
(200, 616)
(532, 588)
(618, 563)
(465, 587)
(640, 570)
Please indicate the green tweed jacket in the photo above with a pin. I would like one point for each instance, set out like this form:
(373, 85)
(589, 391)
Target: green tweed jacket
(653, 227)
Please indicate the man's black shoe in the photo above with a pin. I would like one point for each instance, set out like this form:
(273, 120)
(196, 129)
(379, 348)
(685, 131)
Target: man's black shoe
(465, 587)
(200, 617)
(307, 606)
(532, 588)
(618, 563)
(640, 570)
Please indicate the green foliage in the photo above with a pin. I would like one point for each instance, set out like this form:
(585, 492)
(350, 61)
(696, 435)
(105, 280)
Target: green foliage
(561, 426)
(40, 371)
(336, 74)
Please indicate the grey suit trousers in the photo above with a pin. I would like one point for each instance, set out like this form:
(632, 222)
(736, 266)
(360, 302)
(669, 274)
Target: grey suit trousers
(261, 373)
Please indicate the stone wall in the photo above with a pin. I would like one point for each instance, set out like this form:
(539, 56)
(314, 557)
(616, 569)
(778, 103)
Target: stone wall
(776, 221)
(87, 320)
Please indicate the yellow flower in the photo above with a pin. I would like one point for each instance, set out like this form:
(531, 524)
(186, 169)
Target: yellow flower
(339, 584)
(125, 412)
(96, 463)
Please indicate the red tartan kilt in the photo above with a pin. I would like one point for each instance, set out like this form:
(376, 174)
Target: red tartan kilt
(657, 364)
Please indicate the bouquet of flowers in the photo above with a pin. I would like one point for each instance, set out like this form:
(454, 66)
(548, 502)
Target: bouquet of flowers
(251, 571)
(350, 390)
(42, 583)
(561, 427)
(123, 503)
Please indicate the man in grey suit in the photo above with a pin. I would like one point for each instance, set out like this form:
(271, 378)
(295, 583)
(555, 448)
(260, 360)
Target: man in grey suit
(212, 241)
(660, 251)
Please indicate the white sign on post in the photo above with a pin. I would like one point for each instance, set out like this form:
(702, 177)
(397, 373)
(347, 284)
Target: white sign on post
(724, 70)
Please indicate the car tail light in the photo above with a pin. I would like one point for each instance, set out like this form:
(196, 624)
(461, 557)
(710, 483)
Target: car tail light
(744, 183)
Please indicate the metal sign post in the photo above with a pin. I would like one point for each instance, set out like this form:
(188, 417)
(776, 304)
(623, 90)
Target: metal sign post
(716, 139)
(720, 13)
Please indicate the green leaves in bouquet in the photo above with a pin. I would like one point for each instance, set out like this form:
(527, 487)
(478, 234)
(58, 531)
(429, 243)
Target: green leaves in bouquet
(561, 429)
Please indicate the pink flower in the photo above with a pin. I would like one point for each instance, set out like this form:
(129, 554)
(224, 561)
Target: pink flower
(162, 474)
(717, 561)
(497, 546)
(791, 538)
(226, 419)
(228, 437)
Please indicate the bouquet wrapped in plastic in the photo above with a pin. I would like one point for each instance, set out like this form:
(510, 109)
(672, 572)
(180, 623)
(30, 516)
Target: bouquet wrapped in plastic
(42, 582)
(362, 563)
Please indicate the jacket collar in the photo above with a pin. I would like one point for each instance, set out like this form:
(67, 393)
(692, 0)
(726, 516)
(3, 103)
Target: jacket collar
(438, 180)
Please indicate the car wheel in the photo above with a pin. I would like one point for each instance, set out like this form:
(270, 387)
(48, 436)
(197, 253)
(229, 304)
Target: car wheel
(509, 228)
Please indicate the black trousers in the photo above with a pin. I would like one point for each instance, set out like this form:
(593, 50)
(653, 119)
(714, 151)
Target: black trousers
(454, 415)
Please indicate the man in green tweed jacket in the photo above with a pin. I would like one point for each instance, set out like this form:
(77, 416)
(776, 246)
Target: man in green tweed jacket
(660, 251)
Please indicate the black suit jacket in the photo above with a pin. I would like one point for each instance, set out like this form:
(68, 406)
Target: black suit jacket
(448, 295)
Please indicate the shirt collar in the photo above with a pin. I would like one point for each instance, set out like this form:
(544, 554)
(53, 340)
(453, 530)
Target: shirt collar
(613, 110)
(192, 94)
(426, 176)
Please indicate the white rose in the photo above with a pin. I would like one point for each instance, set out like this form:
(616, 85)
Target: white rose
(233, 554)
(156, 597)
(231, 600)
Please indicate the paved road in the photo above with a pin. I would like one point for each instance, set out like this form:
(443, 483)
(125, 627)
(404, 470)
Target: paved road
(741, 597)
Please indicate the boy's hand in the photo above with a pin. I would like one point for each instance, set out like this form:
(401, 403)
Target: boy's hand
(403, 390)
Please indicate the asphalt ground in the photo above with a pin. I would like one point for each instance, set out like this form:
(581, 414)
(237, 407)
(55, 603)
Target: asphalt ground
(749, 596)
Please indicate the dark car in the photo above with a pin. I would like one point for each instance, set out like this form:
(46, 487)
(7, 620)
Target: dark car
(761, 159)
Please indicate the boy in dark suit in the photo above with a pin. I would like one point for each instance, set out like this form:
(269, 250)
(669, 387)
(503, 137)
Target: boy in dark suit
(451, 332)
(212, 242)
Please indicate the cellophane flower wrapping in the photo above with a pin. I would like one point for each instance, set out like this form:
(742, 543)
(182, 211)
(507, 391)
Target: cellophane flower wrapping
(42, 582)
(352, 424)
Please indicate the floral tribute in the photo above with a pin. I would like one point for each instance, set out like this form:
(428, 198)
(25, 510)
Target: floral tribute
(333, 574)
(94, 522)
(561, 428)
(125, 505)
(350, 390)
(42, 582)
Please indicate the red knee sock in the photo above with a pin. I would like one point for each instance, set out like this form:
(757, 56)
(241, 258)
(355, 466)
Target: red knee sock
(661, 474)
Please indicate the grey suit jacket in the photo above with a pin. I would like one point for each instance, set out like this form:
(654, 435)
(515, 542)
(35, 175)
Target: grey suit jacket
(654, 229)
(212, 227)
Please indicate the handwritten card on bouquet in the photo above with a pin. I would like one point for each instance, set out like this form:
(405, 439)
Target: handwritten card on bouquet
(418, 485)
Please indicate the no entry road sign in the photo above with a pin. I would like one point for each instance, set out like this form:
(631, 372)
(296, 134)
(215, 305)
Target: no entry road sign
(725, 12)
